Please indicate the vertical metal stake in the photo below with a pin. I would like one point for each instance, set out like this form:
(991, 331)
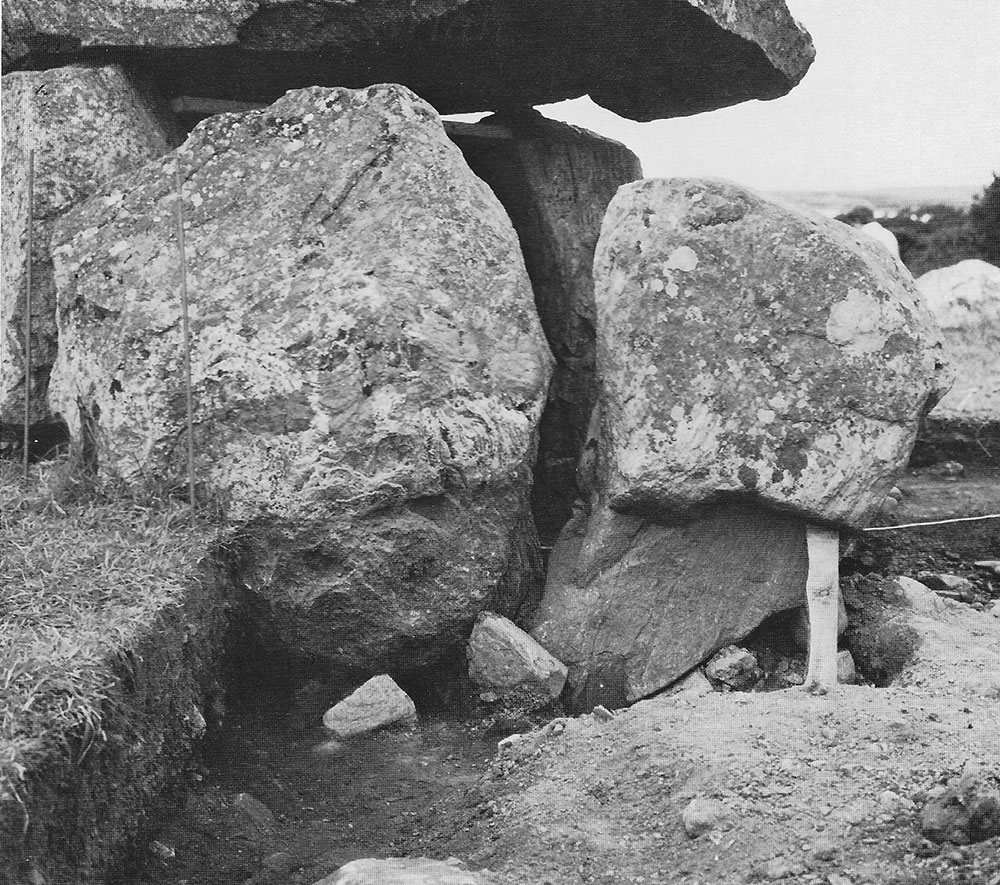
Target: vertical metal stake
(186, 327)
(27, 311)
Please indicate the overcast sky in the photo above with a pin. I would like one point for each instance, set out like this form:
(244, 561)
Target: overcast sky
(902, 93)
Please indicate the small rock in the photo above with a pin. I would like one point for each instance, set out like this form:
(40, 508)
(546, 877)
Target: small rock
(946, 468)
(854, 812)
(502, 656)
(892, 803)
(782, 868)
(406, 871)
(825, 849)
(966, 810)
(704, 815)
(895, 492)
(847, 674)
(950, 586)
(279, 861)
(694, 685)
(990, 565)
(332, 747)
(994, 608)
(890, 504)
(734, 666)
(162, 850)
(254, 810)
(602, 714)
(376, 704)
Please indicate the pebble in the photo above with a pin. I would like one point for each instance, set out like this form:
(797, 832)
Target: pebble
(947, 468)
(254, 810)
(703, 815)
(950, 586)
(990, 565)
(734, 666)
(824, 849)
(162, 850)
(782, 868)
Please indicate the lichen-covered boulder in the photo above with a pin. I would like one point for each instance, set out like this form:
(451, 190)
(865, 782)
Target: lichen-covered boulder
(965, 300)
(367, 366)
(85, 125)
(644, 59)
(747, 348)
(555, 181)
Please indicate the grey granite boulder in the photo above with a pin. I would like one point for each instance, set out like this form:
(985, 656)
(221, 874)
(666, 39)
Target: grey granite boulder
(368, 369)
(555, 181)
(85, 125)
(748, 348)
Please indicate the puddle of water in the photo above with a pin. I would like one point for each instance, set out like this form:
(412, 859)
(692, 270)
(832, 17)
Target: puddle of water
(391, 793)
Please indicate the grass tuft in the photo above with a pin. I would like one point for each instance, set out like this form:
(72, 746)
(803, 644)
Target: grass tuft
(84, 571)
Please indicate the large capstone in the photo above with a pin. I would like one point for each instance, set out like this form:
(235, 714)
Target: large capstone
(643, 59)
(746, 348)
(555, 181)
(85, 125)
(367, 366)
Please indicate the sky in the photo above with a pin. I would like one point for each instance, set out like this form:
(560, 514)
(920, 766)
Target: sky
(903, 93)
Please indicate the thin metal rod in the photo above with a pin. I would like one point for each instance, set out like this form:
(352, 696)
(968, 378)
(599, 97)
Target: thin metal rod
(186, 327)
(914, 525)
(27, 312)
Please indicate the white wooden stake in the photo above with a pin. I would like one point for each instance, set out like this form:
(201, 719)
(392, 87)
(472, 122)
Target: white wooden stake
(822, 598)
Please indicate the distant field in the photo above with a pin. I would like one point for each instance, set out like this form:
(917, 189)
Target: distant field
(837, 202)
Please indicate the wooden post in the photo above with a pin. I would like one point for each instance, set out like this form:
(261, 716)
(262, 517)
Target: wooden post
(822, 598)
(186, 330)
(27, 312)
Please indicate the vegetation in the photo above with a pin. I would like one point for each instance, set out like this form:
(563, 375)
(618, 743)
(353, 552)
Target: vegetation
(84, 570)
(941, 235)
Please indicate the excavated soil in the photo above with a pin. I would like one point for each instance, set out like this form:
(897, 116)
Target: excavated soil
(819, 790)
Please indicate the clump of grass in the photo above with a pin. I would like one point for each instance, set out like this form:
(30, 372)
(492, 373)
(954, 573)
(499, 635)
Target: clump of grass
(84, 571)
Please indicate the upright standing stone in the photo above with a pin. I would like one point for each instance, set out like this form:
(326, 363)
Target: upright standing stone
(85, 125)
(763, 372)
(555, 181)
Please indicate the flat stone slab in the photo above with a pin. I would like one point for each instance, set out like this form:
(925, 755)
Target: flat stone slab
(631, 605)
(643, 59)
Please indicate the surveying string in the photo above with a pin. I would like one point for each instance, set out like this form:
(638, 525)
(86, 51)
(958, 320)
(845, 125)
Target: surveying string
(913, 525)
(186, 328)
(27, 312)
